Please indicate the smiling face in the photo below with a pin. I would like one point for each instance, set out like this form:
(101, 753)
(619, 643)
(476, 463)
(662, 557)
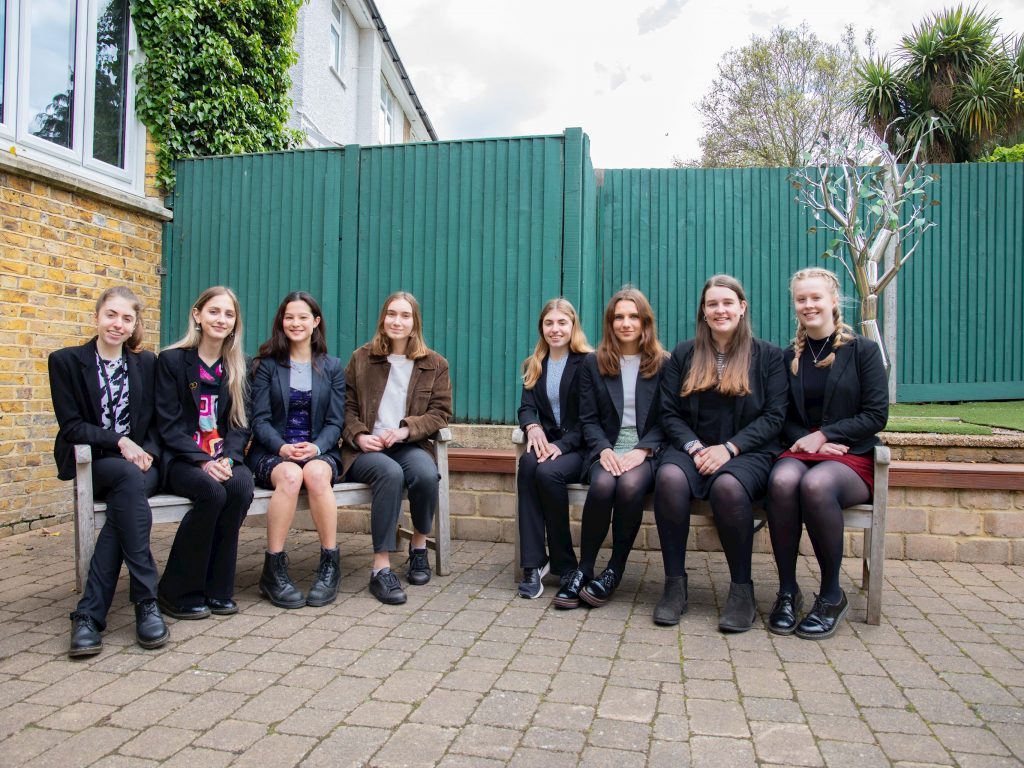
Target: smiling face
(398, 322)
(814, 301)
(298, 322)
(627, 326)
(217, 317)
(557, 329)
(115, 322)
(723, 310)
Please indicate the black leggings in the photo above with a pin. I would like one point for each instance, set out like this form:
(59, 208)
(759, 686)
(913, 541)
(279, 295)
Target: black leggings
(625, 494)
(813, 496)
(733, 516)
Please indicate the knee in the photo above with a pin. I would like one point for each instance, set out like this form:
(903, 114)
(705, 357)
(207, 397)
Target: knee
(317, 476)
(128, 477)
(783, 483)
(727, 492)
(528, 464)
(423, 479)
(288, 478)
(816, 489)
(602, 483)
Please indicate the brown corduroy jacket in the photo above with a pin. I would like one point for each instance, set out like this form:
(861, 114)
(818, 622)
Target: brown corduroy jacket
(428, 406)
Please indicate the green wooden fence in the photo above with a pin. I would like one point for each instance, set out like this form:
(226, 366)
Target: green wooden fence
(484, 231)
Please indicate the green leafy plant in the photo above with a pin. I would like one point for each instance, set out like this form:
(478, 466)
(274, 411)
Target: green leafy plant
(1006, 155)
(215, 79)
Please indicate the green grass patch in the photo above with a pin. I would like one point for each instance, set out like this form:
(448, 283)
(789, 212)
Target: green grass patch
(1008, 415)
(937, 426)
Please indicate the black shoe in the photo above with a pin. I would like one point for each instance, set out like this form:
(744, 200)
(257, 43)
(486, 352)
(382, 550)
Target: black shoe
(186, 613)
(569, 594)
(599, 591)
(782, 620)
(824, 618)
(531, 587)
(386, 587)
(740, 609)
(674, 601)
(220, 607)
(418, 571)
(275, 583)
(328, 577)
(150, 629)
(85, 636)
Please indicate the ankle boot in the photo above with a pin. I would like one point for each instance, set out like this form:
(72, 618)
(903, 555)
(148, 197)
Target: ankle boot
(275, 583)
(328, 577)
(673, 603)
(740, 609)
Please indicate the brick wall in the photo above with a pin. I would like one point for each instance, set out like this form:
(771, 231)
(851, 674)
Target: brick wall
(62, 246)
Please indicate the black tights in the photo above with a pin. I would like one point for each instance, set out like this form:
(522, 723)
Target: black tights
(625, 494)
(813, 496)
(733, 519)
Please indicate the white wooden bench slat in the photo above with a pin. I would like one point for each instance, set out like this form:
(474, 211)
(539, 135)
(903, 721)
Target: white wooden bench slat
(90, 514)
(869, 517)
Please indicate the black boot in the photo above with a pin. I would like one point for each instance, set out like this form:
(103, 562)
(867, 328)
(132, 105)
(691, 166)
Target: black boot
(673, 603)
(328, 577)
(85, 636)
(275, 583)
(150, 629)
(740, 609)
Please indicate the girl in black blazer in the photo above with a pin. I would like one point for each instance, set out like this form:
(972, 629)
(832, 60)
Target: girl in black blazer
(838, 402)
(622, 433)
(200, 409)
(102, 398)
(723, 400)
(549, 417)
(298, 411)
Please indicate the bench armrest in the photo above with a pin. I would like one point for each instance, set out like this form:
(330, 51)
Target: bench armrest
(518, 436)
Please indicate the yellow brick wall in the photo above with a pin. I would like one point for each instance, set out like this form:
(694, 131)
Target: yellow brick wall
(58, 251)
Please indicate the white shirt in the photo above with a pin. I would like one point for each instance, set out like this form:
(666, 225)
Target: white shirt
(392, 402)
(629, 369)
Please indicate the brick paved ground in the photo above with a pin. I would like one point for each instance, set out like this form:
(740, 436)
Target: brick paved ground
(467, 674)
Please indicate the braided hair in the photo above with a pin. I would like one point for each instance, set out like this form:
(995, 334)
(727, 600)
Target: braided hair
(843, 334)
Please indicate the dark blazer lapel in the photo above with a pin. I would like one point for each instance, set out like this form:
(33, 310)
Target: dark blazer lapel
(754, 377)
(135, 393)
(835, 373)
(192, 374)
(796, 384)
(646, 391)
(540, 393)
(90, 378)
(283, 377)
(318, 398)
(614, 386)
(567, 376)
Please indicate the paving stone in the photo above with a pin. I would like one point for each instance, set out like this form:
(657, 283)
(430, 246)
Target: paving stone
(600, 757)
(487, 741)
(77, 717)
(275, 750)
(553, 739)
(379, 714)
(773, 710)
(82, 749)
(527, 757)
(619, 734)
(941, 707)
(575, 717)
(831, 727)
(502, 707)
(415, 744)
(159, 742)
(716, 751)
(785, 743)
(840, 754)
(959, 738)
(717, 718)
(208, 708)
(347, 746)
(445, 707)
(919, 748)
(619, 703)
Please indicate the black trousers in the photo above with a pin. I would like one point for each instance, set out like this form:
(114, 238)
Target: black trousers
(205, 550)
(123, 538)
(544, 508)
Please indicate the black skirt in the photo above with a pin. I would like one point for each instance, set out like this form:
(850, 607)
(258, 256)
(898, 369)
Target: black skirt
(751, 469)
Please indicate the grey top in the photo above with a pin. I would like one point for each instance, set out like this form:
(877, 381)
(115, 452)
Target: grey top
(300, 376)
(552, 383)
(629, 369)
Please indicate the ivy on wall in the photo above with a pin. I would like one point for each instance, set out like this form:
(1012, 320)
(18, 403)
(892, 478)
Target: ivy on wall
(215, 79)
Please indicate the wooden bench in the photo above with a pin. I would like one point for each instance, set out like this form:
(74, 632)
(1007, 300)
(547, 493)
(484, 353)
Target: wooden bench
(90, 514)
(869, 517)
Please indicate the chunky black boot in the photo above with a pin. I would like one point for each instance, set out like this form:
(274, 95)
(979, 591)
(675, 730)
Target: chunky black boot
(740, 609)
(673, 603)
(328, 577)
(150, 629)
(275, 583)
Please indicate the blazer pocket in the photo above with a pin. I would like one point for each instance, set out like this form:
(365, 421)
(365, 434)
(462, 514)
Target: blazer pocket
(420, 400)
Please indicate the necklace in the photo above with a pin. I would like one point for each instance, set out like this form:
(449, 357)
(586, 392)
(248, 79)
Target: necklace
(826, 343)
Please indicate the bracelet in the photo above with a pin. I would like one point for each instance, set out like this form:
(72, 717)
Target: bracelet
(693, 447)
(531, 426)
(731, 450)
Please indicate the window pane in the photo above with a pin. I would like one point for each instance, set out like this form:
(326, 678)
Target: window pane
(336, 10)
(51, 87)
(335, 50)
(3, 52)
(111, 82)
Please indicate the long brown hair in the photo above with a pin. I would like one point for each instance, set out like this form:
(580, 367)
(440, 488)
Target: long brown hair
(652, 354)
(231, 354)
(843, 333)
(416, 347)
(134, 342)
(703, 373)
(534, 364)
(279, 347)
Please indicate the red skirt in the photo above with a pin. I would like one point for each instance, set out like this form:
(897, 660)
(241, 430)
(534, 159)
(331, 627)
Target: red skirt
(862, 464)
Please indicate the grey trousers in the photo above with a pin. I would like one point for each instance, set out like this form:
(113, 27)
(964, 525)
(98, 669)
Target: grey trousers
(388, 472)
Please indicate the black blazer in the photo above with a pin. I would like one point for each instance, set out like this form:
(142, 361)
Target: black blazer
(601, 404)
(177, 410)
(270, 394)
(535, 407)
(856, 406)
(757, 417)
(75, 388)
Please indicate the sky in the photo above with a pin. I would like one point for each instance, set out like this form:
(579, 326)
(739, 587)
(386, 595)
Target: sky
(629, 72)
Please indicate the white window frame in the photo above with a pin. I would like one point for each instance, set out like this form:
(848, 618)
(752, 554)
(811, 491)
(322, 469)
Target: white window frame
(337, 27)
(387, 113)
(78, 160)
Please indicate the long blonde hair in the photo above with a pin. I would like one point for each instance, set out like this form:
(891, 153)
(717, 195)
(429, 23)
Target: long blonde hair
(703, 373)
(843, 333)
(231, 354)
(416, 347)
(534, 364)
(652, 354)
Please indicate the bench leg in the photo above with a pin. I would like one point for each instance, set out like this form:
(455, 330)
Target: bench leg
(874, 559)
(443, 523)
(85, 528)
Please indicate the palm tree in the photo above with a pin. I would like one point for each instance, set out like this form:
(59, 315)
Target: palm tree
(952, 82)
